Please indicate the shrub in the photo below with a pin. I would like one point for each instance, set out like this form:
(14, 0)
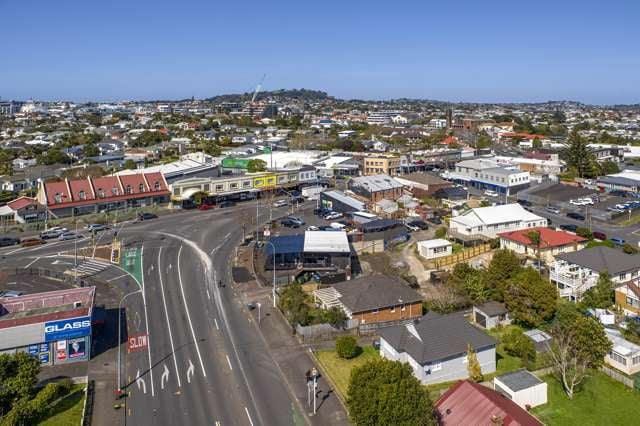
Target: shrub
(517, 344)
(584, 233)
(347, 347)
(441, 232)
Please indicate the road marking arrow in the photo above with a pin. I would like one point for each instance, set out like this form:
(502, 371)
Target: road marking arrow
(165, 376)
(141, 380)
(190, 371)
(60, 262)
(137, 321)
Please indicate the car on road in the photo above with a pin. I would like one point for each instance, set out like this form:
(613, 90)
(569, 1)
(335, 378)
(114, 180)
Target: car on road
(97, 227)
(147, 216)
(52, 233)
(491, 193)
(581, 202)
(69, 236)
(289, 223)
(226, 204)
(569, 227)
(553, 209)
(205, 207)
(599, 236)
(617, 241)
(525, 203)
(9, 241)
(576, 216)
(412, 227)
(312, 228)
(296, 200)
(32, 241)
(11, 293)
(332, 216)
(296, 219)
(280, 203)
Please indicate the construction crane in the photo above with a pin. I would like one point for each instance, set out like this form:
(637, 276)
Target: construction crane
(258, 87)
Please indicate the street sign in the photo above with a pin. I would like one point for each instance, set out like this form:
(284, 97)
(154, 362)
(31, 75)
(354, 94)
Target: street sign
(137, 342)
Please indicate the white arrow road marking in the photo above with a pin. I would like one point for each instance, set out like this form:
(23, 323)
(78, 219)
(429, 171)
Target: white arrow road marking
(60, 262)
(165, 376)
(190, 371)
(137, 321)
(141, 380)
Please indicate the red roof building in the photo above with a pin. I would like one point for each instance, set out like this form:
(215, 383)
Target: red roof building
(22, 210)
(552, 242)
(92, 195)
(468, 403)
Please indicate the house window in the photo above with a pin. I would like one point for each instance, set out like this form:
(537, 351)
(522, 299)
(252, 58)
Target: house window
(141, 187)
(375, 311)
(618, 358)
(219, 187)
(622, 276)
(436, 367)
(246, 183)
(100, 193)
(393, 309)
(57, 198)
(156, 186)
(128, 189)
(234, 185)
(404, 307)
(114, 190)
(81, 195)
(633, 302)
(635, 360)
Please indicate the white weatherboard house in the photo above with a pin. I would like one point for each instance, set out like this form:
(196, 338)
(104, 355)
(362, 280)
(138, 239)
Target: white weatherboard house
(490, 221)
(431, 249)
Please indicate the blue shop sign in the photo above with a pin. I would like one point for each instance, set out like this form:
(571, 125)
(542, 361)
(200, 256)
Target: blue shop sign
(33, 350)
(44, 358)
(67, 329)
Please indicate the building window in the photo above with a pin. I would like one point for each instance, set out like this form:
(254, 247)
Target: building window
(100, 193)
(393, 309)
(246, 183)
(128, 189)
(81, 195)
(234, 185)
(219, 187)
(622, 276)
(436, 367)
(57, 198)
(617, 358)
(404, 307)
(114, 190)
(156, 186)
(633, 302)
(141, 187)
(635, 360)
(375, 311)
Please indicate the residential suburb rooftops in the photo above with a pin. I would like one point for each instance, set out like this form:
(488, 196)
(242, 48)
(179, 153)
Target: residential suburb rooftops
(373, 292)
(602, 259)
(548, 237)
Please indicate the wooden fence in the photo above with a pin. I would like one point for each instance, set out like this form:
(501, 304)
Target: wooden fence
(462, 256)
(615, 375)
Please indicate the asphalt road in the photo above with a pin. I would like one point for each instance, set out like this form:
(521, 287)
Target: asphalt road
(205, 361)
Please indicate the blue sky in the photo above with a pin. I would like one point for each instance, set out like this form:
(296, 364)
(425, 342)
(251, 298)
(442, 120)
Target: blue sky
(491, 51)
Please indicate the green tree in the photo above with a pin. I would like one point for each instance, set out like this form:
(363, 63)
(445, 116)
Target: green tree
(256, 165)
(293, 304)
(473, 366)
(517, 344)
(600, 295)
(578, 155)
(503, 266)
(383, 392)
(90, 150)
(53, 156)
(441, 232)
(347, 347)
(531, 299)
(629, 249)
(483, 140)
(18, 374)
(579, 345)
(608, 168)
(129, 164)
(475, 288)
(333, 316)
(584, 233)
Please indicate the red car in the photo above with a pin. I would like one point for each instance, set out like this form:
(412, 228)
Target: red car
(204, 207)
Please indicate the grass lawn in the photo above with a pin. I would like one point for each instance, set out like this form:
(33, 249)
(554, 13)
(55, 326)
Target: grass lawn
(602, 401)
(339, 370)
(68, 411)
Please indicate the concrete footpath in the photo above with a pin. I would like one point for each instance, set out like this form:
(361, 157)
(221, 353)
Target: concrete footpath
(292, 358)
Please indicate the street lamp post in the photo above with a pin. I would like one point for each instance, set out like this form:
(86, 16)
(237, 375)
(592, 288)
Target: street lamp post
(120, 333)
(273, 254)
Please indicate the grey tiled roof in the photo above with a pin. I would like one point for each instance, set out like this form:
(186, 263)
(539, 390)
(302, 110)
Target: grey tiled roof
(441, 337)
(602, 259)
(519, 380)
(374, 292)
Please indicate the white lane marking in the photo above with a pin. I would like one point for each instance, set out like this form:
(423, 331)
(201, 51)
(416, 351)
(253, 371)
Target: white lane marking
(229, 362)
(32, 262)
(164, 377)
(216, 321)
(146, 319)
(140, 380)
(190, 371)
(117, 278)
(210, 276)
(248, 416)
(186, 308)
(208, 294)
(13, 251)
(166, 315)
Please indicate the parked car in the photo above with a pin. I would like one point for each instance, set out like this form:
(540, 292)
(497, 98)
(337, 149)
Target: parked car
(280, 203)
(491, 193)
(296, 219)
(436, 220)
(321, 211)
(338, 225)
(11, 293)
(205, 207)
(420, 224)
(332, 216)
(525, 203)
(328, 228)
(553, 209)
(618, 193)
(69, 236)
(225, 204)
(569, 227)
(147, 216)
(52, 233)
(617, 241)
(97, 227)
(412, 227)
(32, 241)
(312, 228)
(9, 241)
(599, 236)
(289, 223)
(576, 216)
